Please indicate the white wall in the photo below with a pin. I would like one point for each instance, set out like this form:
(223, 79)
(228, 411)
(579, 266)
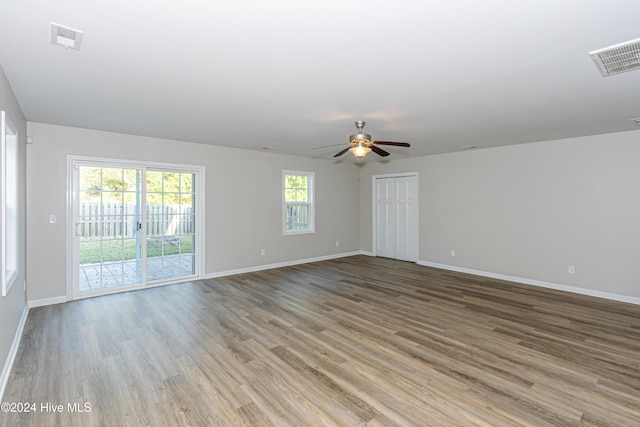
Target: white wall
(13, 305)
(526, 211)
(530, 211)
(243, 201)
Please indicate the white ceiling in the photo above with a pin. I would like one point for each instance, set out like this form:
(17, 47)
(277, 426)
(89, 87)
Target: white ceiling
(295, 74)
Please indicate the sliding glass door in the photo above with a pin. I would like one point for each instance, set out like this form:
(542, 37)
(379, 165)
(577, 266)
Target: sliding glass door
(132, 226)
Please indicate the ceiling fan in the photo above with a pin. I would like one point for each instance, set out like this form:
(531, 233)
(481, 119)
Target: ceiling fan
(361, 143)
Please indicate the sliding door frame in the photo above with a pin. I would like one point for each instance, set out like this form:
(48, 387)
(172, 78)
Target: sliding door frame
(200, 192)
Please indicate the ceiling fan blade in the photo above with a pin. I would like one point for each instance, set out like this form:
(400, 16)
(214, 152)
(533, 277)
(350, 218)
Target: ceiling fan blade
(379, 151)
(342, 152)
(325, 146)
(397, 144)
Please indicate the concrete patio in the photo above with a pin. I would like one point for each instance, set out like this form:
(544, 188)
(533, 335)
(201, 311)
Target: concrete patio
(124, 273)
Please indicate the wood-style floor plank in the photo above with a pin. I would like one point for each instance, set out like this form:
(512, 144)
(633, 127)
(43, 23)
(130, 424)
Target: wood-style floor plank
(353, 341)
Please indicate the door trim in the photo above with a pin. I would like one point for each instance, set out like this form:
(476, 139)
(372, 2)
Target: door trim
(200, 219)
(373, 208)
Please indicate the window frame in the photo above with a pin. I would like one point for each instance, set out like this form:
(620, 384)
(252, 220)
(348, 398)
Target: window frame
(9, 194)
(310, 202)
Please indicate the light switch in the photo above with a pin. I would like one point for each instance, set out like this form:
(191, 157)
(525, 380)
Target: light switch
(52, 219)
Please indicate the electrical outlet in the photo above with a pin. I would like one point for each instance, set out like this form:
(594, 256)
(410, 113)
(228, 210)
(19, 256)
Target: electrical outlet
(571, 269)
(52, 219)
(453, 252)
(337, 243)
(263, 252)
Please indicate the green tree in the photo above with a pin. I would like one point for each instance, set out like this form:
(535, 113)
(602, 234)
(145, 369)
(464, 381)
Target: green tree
(117, 185)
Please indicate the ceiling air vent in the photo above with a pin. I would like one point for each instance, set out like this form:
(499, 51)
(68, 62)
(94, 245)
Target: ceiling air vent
(618, 58)
(65, 36)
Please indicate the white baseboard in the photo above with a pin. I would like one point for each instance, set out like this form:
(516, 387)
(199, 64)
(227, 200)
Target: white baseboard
(46, 301)
(62, 299)
(13, 351)
(556, 286)
(280, 264)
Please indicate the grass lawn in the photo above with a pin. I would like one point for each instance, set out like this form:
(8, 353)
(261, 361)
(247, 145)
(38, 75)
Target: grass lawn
(112, 250)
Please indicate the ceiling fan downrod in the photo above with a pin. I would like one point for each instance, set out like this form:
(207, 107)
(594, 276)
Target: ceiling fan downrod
(360, 137)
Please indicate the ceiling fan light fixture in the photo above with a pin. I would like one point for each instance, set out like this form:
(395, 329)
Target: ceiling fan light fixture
(360, 144)
(360, 150)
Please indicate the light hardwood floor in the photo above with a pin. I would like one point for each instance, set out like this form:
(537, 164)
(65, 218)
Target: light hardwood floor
(353, 341)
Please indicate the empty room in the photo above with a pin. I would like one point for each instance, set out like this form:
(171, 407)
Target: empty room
(320, 213)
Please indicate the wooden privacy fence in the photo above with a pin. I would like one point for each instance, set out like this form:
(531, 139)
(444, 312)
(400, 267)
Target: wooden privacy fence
(114, 220)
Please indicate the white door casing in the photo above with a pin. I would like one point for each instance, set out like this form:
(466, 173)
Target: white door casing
(154, 262)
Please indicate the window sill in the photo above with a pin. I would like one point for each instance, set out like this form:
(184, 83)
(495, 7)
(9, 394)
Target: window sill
(294, 233)
(10, 279)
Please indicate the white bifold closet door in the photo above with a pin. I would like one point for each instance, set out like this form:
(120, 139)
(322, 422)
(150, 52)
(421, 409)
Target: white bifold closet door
(396, 217)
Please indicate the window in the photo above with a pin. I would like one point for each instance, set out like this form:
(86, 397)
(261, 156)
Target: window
(298, 208)
(9, 137)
